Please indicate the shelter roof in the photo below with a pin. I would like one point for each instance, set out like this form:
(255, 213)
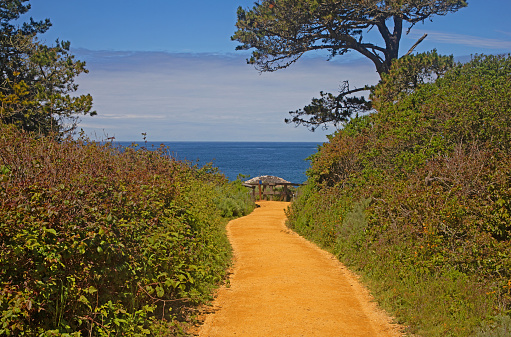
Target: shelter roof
(267, 180)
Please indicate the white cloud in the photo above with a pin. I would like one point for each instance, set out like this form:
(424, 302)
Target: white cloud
(466, 40)
(504, 32)
(209, 97)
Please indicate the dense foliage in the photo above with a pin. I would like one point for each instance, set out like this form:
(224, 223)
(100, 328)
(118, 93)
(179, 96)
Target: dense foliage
(95, 241)
(37, 80)
(417, 198)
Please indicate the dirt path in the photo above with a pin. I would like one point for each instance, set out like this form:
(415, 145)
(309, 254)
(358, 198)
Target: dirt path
(282, 285)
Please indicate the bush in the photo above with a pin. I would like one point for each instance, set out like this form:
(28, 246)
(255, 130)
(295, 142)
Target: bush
(95, 241)
(417, 198)
(234, 200)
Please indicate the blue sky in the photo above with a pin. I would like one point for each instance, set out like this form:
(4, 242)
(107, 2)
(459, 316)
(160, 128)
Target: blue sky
(169, 69)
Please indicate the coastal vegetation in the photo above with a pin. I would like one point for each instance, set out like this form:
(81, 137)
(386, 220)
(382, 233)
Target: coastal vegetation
(416, 197)
(100, 241)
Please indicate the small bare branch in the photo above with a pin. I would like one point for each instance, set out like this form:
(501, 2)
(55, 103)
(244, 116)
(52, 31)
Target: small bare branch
(416, 44)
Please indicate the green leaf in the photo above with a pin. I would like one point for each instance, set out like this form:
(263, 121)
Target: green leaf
(85, 301)
(118, 321)
(159, 291)
(50, 230)
(91, 290)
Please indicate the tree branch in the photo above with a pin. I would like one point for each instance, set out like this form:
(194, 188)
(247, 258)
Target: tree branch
(331, 109)
(416, 44)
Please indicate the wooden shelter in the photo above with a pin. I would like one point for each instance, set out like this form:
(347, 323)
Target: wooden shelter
(271, 187)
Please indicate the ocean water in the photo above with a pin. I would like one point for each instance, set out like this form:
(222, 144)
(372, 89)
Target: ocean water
(286, 160)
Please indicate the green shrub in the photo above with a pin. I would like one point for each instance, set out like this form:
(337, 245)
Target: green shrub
(234, 200)
(417, 198)
(101, 242)
(501, 327)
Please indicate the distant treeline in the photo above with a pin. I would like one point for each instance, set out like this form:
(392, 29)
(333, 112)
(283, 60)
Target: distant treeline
(417, 196)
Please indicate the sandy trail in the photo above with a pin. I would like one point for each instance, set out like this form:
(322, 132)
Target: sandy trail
(283, 285)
